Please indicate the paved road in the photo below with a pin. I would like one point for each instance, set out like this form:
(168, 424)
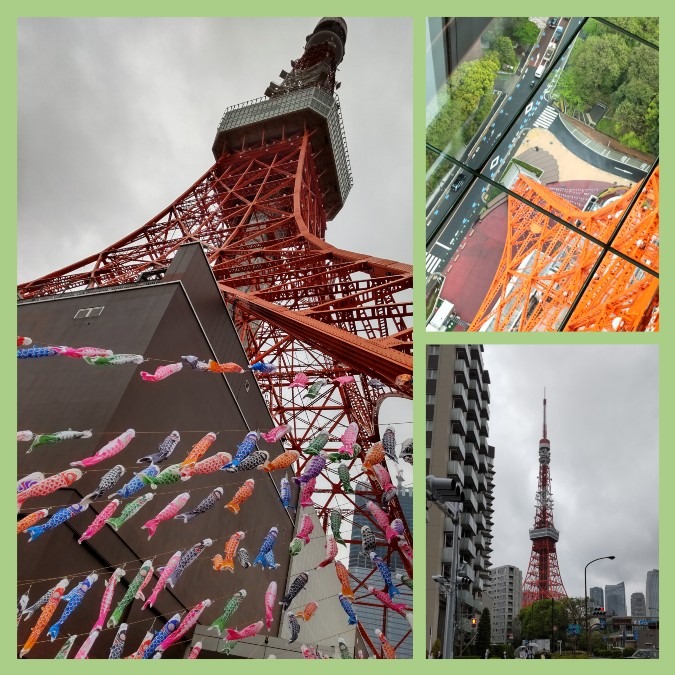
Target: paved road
(489, 135)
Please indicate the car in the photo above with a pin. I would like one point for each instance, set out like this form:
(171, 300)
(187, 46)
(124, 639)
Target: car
(645, 654)
(553, 22)
(460, 179)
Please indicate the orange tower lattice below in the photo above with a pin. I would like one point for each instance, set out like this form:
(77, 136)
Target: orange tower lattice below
(545, 264)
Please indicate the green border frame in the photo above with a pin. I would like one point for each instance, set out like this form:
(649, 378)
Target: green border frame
(418, 11)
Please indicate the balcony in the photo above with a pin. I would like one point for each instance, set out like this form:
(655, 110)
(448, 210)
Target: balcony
(472, 433)
(470, 478)
(485, 394)
(470, 503)
(468, 522)
(467, 547)
(480, 499)
(485, 410)
(471, 456)
(484, 426)
(479, 563)
(461, 371)
(465, 597)
(482, 461)
(476, 368)
(459, 396)
(448, 525)
(474, 389)
(446, 554)
(482, 482)
(473, 411)
(480, 542)
(458, 421)
(456, 471)
(457, 447)
(480, 522)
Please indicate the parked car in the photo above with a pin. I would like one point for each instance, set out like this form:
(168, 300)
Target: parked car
(460, 179)
(553, 22)
(645, 654)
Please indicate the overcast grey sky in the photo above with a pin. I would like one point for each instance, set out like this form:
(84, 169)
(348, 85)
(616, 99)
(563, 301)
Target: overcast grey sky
(602, 413)
(117, 118)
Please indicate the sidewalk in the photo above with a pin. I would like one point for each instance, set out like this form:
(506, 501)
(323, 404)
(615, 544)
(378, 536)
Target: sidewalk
(600, 149)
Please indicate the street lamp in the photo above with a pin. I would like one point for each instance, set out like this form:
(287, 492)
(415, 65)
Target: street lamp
(588, 633)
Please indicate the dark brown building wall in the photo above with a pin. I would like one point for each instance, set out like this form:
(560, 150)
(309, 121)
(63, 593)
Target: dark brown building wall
(184, 314)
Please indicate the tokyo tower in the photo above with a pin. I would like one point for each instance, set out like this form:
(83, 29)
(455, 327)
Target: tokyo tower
(544, 265)
(281, 172)
(543, 580)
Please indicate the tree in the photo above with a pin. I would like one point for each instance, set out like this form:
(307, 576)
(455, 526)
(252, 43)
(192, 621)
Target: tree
(507, 55)
(646, 27)
(524, 31)
(598, 66)
(538, 619)
(484, 635)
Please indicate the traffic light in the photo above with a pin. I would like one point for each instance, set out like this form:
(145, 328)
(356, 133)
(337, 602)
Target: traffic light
(474, 622)
(443, 490)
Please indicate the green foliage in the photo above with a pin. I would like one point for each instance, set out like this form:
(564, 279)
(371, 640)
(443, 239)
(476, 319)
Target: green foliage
(468, 100)
(612, 68)
(497, 651)
(484, 632)
(599, 66)
(507, 55)
(537, 619)
(524, 31)
(436, 649)
(607, 126)
(646, 27)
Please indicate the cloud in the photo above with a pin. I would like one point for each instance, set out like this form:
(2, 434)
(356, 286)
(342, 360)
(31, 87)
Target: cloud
(117, 118)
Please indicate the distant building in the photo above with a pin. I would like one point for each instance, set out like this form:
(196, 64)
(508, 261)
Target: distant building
(615, 599)
(638, 606)
(653, 593)
(457, 413)
(362, 568)
(596, 597)
(506, 583)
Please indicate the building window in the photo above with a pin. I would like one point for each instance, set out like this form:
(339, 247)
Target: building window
(432, 374)
(88, 312)
(433, 350)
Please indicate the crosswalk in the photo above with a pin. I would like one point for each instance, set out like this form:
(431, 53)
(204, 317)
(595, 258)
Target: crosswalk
(432, 263)
(548, 115)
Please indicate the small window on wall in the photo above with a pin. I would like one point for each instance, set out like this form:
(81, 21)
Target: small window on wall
(88, 312)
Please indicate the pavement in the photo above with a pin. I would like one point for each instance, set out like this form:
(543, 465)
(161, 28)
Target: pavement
(570, 166)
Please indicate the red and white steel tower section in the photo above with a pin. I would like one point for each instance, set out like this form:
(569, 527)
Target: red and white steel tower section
(543, 580)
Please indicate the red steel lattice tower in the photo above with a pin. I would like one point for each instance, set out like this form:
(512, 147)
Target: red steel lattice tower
(281, 172)
(543, 580)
